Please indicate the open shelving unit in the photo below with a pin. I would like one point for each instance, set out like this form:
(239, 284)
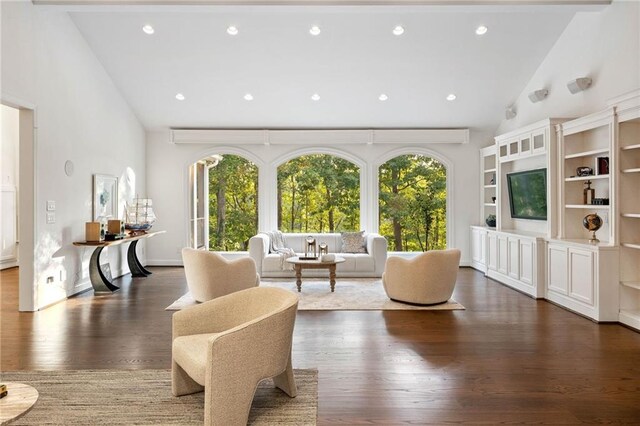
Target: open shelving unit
(488, 184)
(628, 112)
(584, 141)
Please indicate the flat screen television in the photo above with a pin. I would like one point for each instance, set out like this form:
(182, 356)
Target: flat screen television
(528, 194)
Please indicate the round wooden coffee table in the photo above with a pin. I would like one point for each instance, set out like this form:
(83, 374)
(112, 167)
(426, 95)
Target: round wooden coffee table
(20, 399)
(300, 264)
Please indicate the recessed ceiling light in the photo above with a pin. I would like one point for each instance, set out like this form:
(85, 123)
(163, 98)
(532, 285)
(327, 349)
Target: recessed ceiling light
(148, 29)
(398, 30)
(451, 97)
(248, 97)
(231, 30)
(383, 97)
(315, 30)
(180, 97)
(481, 30)
(315, 97)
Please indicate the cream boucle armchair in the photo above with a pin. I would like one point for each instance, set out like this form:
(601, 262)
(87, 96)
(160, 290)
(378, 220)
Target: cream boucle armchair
(209, 275)
(228, 345)
(427, 279)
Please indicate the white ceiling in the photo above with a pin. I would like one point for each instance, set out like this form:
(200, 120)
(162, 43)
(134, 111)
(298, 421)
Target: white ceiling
(353, 61)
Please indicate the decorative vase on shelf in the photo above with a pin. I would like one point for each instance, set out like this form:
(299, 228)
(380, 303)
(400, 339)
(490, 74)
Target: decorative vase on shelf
(491, 220)
(592, 222)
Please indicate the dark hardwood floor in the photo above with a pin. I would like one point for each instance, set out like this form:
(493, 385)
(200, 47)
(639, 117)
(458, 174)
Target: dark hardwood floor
(506, 359)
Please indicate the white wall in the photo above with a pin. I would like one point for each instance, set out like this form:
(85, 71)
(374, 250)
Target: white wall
(9, 126)
(167, 172)
(602, 45)
(80, 116)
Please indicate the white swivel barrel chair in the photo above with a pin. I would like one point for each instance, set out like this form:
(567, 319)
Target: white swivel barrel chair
(210, 275)
(427, 279)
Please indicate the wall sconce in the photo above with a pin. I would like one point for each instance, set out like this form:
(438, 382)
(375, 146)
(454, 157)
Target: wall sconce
(538, 95)
(579, 84)
(510, 112)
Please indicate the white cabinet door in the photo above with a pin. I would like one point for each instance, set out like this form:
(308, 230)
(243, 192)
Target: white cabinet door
(483, 247)
(503, 255)
(557, 278)
(526, 261)
(476, 252)
(581, 275)
(492, 260)
(513, 266)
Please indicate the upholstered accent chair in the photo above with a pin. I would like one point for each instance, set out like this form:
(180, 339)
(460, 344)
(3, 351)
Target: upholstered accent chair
(210, 275)
(227, 345)
(427, 279)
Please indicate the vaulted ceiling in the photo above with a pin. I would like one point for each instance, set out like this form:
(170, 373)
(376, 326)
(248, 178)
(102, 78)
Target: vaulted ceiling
(355, 58)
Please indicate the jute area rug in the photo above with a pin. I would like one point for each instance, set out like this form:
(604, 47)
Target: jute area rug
(353, 294)
(143, 397)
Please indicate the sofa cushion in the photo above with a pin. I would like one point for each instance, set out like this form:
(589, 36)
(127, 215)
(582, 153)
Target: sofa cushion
(353, 242)
(356, 262)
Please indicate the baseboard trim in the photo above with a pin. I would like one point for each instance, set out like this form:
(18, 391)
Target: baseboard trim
(164, 262)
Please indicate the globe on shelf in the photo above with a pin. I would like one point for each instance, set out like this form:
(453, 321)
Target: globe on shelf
(592, 222)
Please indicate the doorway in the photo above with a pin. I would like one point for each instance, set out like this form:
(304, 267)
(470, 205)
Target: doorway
(22, 178)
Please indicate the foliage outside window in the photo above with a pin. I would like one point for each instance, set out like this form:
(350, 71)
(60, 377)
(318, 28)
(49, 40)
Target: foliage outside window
(233, 202)
(413, 199)
(318, 193)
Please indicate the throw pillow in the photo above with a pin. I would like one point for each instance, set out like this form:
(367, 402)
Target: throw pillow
(353, 242)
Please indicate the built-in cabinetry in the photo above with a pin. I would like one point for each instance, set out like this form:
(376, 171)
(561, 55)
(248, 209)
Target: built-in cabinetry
(583, 278)
(479, 248)
(517, 259)
(593, 166)
(628, 119)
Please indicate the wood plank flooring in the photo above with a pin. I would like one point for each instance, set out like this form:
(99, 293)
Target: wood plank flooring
(507, 359)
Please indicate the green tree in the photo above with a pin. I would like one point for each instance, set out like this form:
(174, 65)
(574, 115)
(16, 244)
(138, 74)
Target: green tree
(233, 203)
(413, 203)
(318, 193)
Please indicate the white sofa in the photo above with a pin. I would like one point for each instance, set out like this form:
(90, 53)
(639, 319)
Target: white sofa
(369, 264)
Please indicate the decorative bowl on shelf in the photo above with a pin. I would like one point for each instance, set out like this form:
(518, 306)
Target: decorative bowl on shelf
(491, 220)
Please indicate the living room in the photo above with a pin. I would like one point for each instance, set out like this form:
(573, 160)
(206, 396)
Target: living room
(92, 92)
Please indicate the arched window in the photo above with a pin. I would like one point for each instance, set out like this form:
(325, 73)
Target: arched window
(318, 193)
(413, 200)
(224, 195)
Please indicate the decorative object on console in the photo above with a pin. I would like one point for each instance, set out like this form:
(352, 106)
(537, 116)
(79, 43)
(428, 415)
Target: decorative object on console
(584, 171)
(600, 202)
(602, 165)
(115, 226)
(588, 194)
(92, 231)
(105, 196)
(139, 215)
(592, 222)
(491, 220)
(310, 248)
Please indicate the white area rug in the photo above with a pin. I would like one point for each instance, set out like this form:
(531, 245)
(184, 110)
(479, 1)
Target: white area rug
(352, 294)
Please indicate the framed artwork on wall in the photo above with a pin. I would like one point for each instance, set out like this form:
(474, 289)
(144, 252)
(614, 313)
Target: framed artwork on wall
(105, 196)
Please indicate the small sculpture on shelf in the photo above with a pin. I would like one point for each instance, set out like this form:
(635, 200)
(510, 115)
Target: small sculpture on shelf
(592, 222)
(139, 215)
(588, 194)
(491, 220)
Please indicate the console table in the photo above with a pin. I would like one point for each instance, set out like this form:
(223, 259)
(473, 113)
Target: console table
(100, 281)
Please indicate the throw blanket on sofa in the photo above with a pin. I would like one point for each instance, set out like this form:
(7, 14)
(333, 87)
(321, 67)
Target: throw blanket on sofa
(278, 246)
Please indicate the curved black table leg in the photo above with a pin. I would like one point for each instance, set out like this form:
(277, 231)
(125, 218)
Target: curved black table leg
(100, 282)
(136, 268)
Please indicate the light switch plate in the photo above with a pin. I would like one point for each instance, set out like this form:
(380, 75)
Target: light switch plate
(51, 218)
(51, 206)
